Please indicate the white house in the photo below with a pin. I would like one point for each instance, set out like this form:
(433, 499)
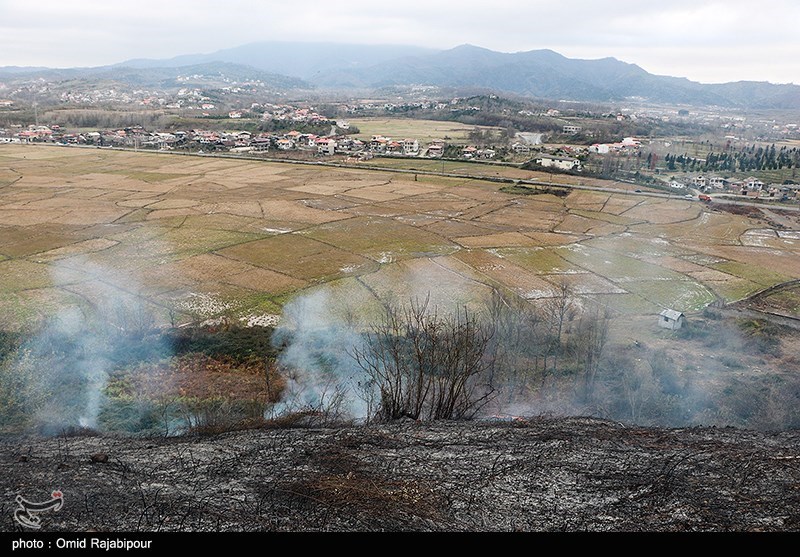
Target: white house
(410, 147)
(717, 182)
(754, 184)
(326, 146)
(671, 319)
(435, 149)
(562, 163)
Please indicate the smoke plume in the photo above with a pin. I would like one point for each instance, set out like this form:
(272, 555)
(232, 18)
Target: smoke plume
(318, 335)
(67, 362)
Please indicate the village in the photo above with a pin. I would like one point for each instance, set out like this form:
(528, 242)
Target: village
(340, 140)
(562, 158)
(302, 131)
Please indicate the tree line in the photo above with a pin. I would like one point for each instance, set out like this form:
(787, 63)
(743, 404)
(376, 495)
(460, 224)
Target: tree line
(746, 159)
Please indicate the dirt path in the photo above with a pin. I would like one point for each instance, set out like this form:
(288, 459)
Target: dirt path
(788, 222)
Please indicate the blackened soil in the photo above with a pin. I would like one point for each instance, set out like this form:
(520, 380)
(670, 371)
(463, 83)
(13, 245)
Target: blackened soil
(542, 474)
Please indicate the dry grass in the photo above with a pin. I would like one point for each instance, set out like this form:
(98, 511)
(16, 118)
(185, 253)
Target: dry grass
(501, 239)
(227, 229)
(380, 238)
(422, 130)
(299, 257)
(342, 484)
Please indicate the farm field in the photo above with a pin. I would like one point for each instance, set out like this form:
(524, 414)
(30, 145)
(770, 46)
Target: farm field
(194, 238)
(422, 130)
(488, 170)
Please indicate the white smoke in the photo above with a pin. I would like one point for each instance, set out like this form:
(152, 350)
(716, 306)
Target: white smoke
(77, 346)
(319, 334)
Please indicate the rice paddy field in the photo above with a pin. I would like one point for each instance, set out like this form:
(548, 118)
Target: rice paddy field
(195, 238)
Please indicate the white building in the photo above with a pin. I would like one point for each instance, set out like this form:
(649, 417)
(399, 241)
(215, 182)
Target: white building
(562, 163)
(671, 319)
(326, 146)
(754, 184)
(410, 147)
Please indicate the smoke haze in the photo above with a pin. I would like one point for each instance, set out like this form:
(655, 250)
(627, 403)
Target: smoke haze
(66, 365)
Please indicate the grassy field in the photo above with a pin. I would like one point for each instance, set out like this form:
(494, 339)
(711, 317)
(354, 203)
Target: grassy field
(195, 237)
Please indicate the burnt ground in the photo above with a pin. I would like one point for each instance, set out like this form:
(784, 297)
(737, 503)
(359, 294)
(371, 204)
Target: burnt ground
(542, 474)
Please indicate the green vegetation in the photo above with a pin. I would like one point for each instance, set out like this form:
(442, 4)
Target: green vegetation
(760, 275)
(156, 382)
(762, 336)
(543, 261)
(236, 343)
(519, 189)
(747, 159)
(422, 130)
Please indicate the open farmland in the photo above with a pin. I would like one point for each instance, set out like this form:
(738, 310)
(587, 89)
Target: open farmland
(423, 130)
(198, 237)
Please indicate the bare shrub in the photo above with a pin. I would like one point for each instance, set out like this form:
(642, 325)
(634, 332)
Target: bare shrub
(519, 347)
(425, 365)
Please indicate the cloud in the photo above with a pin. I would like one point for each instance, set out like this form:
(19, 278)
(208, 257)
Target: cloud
(747, 43)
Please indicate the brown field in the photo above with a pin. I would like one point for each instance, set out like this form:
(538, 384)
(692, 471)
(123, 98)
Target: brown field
(207, 237)
(500, 239)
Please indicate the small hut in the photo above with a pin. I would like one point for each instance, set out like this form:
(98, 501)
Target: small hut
(671, 319)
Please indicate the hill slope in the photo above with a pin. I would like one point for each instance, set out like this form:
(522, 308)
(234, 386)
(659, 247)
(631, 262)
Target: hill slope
(298, 59)
(547, 74)
(572, 474)
(166, 77)
(537, 73)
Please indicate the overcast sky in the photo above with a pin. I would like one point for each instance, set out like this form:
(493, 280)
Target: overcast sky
(707, 41)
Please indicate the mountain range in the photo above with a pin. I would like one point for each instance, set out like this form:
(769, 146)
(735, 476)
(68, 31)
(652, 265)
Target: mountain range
(543, 74)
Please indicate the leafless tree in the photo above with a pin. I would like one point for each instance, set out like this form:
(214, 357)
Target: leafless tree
(518, 348)
(559, 309)
(590, 341)
(426, 365)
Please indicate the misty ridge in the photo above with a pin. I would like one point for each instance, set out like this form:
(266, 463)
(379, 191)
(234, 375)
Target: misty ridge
(108, 364)
(324, 68)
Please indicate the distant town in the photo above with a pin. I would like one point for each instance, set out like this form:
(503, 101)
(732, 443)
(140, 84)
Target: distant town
(706, 150)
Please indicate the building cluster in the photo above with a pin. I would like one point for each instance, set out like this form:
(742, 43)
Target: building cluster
(141, 97)
(750, 186)
(628, 144)
(233, 141)
(289, 113)
(369, 107)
